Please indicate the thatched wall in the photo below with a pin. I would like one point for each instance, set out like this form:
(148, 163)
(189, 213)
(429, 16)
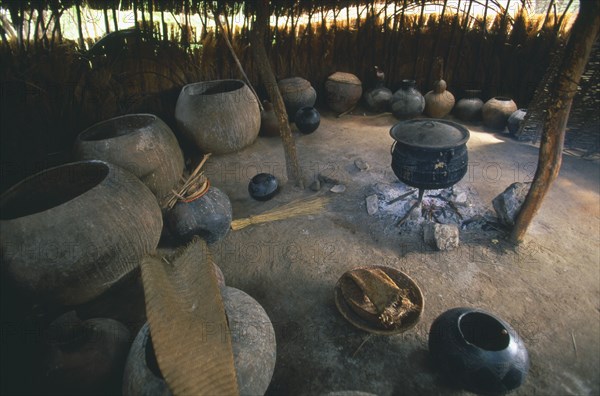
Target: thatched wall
(53, 88)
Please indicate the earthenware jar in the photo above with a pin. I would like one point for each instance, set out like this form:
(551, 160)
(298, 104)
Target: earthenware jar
(407, 102)
(496, 111)
(439, 102)
(252, 341)
(307, 120)
(479, 351)
(296, 93)
(207, 215)
(269, 125)
(84, 357)
(343, 91)
(219, 116)
(141, 143)
(469, 107)
(70, 232)
(378, 99)
(515, 120)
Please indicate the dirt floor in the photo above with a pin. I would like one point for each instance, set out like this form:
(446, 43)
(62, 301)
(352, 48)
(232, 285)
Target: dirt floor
(548, 288)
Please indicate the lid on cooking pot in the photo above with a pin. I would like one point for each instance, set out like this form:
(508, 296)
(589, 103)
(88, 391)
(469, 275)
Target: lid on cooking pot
(430, 133)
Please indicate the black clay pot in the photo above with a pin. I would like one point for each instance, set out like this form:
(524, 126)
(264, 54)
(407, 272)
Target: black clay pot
(469, 107)
(263, 187)
(429, 154)
(407, 102)
(208, 216)
(307, 120)
(480, 352)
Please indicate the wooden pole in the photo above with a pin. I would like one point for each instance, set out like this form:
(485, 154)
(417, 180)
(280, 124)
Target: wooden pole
(583, 34)
(294, 172)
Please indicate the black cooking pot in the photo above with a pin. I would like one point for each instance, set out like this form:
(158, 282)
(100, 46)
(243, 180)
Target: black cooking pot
(429, 153)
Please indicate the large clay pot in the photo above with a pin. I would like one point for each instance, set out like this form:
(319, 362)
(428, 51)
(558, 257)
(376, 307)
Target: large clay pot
(84, 357)
(296, 93)
(478, 351)
(343, 91)
(70, 232)
(208, 216)
(407, 102)
(141, 143)
(496, 111)
(269, 125)
(253, 344)
(515, 120)
(439, 102)
(469, 107)
(219, 116)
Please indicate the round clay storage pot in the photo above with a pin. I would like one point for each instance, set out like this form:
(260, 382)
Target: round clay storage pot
(477, 350)
(253, 344)
(219, 117)
(307, 120)
(407, 102)
(439, 102)
(515, 120)
(70, 232)
(469, 107)
(84, 357)
(296, 93)
(269, 125)
(378, 99)
(208, 216)
(496, 111)
(343, 91)
(141, 143)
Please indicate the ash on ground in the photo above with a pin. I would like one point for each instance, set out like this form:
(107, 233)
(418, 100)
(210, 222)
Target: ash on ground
(459, 205)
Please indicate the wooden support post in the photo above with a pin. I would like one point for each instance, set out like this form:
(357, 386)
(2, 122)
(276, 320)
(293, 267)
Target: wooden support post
(583, 34)
(294, 172)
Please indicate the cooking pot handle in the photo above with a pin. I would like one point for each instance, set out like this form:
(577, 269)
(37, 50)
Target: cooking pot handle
(393, 147)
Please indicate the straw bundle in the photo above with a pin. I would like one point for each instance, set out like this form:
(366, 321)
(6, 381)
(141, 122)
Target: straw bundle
(308, 206)
(194, 187)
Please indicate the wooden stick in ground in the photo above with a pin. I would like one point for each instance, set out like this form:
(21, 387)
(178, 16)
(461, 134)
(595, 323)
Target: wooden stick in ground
(235, 58)
(265, 71)
(583, 34)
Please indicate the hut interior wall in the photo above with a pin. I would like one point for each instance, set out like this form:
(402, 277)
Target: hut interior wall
(53, 88)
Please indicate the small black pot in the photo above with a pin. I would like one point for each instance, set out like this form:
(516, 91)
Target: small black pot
(263, 187)
(480, 352)
(307, 120)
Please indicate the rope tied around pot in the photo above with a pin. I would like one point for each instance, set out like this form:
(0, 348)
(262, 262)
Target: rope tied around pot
(194, 187)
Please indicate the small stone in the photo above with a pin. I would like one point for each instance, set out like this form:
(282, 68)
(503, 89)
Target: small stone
(338, 188)
(461, 199)
(508, 204)
(315, 185)
(361, 165)
(372, 204)
(441, 236)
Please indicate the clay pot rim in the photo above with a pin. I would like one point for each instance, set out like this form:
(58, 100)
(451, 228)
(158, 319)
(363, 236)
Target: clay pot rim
(344, 78)
(88, 134)
(98, 171)
(502, 98)
(199, 88)
(483, 316)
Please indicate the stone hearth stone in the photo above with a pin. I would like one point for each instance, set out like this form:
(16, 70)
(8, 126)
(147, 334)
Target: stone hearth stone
(372, 204)
(441, 236)
(508, 204)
